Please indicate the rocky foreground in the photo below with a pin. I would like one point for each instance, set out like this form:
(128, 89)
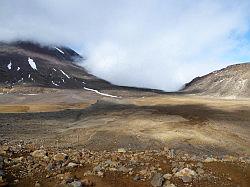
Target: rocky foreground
(29, 165)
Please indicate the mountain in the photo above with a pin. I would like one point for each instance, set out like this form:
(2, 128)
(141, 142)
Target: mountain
(232, 81)
(32, 64)
(29, 67)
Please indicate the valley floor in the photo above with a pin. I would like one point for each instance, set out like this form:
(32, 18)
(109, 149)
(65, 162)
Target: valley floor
(160, 132)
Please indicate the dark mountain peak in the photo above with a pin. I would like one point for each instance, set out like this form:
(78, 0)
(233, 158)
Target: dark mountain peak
(30, 63)
(57, 51)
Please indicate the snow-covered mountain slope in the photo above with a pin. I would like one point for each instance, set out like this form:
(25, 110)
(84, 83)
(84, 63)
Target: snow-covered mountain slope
(31, 64)
(232, 81)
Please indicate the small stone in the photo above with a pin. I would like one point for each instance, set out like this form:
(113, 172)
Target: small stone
(1, 162)
(97, 168)
(121, 150)
(87, 173)
(210, 159)
(1, 179)
(143, 172)
(2, 173)
(123, 169)
(2, 152)
(171, 153)
(186, 174)
(186, 178)
(174, 170)
(199, 164)
(4, 149)
(200, 171)
(72, 165)
(60, 176)
(157, 180)
(3, 182)
(112, 169)
(37, 184)
(60, 157)
(168, 184)
(181, 164)
(100, 174)
(75, 184)
(46, 158)
(39, 153)
(66, 176)
(131, 173)
(86, 182)
(136, 178)
(167, 176)
(50, 167)
(17, 160)
(229, 158)
(69, 180)
(109, 162)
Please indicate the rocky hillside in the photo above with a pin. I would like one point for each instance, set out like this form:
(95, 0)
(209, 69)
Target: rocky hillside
(232, 82)
(31, 64)
(31, 68)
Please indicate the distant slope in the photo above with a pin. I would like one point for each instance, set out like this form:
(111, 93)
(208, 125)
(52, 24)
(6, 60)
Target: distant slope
(232, 81)
(31, 64)
(28, 67)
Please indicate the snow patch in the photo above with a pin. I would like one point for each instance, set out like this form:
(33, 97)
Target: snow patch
(30, 94)
(9, 65)
(32, 63)
(20, 80)
(65, 74)
(54, 69)
(59, 50)
(100, 93)
(54, 83)
(18, 68)
(29, 76)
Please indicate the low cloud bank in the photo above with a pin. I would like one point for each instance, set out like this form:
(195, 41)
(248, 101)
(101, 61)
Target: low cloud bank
(143, 43)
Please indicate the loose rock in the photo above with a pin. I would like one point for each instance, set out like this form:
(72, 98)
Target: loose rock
(86, 182)
(60, 157)
(167, 176)
(168, 184)
(210, 159)
(75, 184)
(72, 164)
(157, 180)
(39, 153)
(136, 178)
(186, 174)
(1, 162)
(200, 171)
(121, 150)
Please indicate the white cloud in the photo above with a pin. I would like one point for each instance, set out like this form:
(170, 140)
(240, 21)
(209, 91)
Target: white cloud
(145, 43)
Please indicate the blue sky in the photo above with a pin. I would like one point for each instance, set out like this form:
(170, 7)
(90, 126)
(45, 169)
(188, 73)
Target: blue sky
(145, 43)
